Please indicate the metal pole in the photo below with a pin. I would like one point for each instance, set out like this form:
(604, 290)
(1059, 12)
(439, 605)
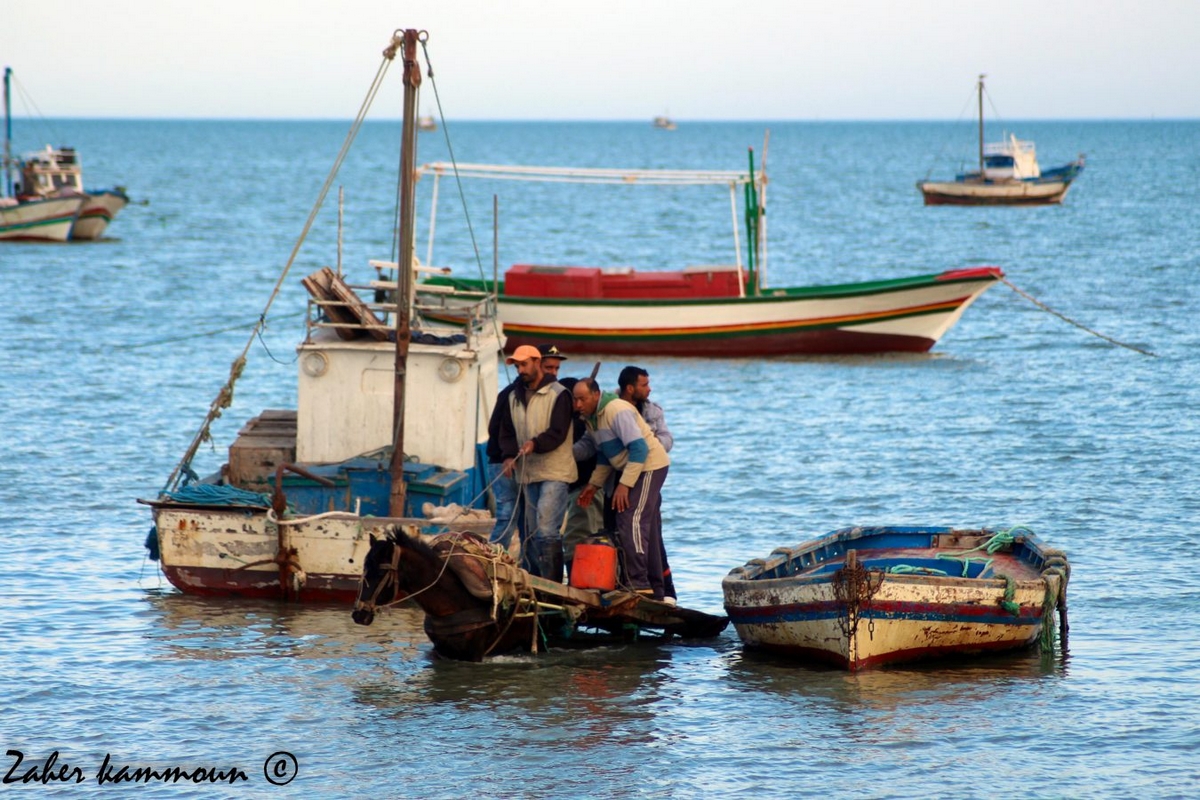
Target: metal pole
(496, 247)
(980, 90)
(433, 201)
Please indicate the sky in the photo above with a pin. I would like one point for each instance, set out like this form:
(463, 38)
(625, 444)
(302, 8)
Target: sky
(609, 59)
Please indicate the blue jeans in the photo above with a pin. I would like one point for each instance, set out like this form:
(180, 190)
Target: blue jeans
(504, 495)
(545, 510)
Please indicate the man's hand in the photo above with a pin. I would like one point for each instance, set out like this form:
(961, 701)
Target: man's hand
(585, 496)
(526, 448)
(509, 465)
(621, 497)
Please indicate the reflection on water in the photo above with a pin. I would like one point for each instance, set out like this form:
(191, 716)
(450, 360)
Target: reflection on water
(1015, 418)
(220, 629)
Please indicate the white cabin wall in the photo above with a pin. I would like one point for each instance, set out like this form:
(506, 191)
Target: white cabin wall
(346, 409)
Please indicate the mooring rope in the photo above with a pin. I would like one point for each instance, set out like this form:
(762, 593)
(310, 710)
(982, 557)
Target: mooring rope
(225, 396)
(1077, 324)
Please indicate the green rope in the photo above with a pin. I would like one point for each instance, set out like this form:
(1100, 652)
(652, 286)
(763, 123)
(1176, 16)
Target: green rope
(213, 495)
(1010, 591)
(999, 541)
(1046, 640)
(908, 569)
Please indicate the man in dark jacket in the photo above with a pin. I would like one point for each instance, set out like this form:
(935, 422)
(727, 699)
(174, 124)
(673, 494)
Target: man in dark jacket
(538, 427)
(504, 487)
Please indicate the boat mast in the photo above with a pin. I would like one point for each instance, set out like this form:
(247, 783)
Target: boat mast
(980, 92)
(752, 219)
(404, 268)
(8, 182)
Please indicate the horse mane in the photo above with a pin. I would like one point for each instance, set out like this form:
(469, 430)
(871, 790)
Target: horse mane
(399, 536)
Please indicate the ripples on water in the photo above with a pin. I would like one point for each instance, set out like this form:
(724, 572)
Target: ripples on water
(1016, 418)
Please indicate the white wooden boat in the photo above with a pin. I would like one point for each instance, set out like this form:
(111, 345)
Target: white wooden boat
(56, 172)
(1008, 174)
(44, 198)
(723, 310)
(869, 596)
(292, 512)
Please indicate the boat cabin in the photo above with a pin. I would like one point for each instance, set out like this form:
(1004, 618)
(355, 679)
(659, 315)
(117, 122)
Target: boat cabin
(1010, 160)
(51, 172)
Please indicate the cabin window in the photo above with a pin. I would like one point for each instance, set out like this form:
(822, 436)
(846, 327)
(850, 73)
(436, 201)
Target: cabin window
(995, 162)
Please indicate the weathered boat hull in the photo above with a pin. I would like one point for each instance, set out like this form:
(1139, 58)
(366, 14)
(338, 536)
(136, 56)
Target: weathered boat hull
(47, 220)
(98, 211)
(902, 315)
(245, 552)
(831, 600)
(242, 552)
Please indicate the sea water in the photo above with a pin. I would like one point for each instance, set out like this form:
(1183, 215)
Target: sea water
(114, 350)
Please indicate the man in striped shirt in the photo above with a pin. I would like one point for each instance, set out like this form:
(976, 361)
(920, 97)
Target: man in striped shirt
(623, 442)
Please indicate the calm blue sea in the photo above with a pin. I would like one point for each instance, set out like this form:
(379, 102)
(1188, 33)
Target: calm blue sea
(114, 350)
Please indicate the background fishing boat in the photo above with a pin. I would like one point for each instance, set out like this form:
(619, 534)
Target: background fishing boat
(702, 310)
(869, 596)
(56, 172)
(47, 200)
(1008, 174)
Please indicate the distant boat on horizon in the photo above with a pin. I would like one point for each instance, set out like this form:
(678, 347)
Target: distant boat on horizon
(1008, 175)
(664, 123)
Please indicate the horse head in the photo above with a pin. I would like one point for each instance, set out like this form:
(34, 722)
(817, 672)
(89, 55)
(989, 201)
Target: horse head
(380, 581)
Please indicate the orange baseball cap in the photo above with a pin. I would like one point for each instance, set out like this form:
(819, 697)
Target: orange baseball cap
(523, 353)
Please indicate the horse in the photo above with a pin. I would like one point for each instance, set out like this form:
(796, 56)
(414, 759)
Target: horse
(448, 579)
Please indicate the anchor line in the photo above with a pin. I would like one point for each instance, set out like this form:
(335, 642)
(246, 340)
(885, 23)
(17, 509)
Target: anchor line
(1077, 324)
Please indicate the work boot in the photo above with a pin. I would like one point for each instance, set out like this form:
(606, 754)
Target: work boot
(550, 561)
(531, 556)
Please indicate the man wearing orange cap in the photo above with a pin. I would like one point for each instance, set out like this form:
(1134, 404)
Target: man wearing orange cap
(538, 428)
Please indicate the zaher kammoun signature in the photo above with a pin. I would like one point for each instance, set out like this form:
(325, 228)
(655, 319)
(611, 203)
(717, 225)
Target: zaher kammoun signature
(279, 769)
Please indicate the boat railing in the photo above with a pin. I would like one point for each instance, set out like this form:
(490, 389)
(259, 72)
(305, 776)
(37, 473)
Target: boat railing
(371, 312)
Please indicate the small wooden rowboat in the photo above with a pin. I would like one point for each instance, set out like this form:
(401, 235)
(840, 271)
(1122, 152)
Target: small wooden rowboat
(865, 597)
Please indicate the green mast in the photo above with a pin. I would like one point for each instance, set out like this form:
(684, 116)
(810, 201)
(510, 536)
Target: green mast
(753, 213)
(8, 181)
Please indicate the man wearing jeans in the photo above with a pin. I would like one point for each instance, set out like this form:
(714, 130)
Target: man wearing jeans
(538, 428)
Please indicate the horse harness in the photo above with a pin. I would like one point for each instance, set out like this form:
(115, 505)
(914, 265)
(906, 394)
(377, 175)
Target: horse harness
(390, 573)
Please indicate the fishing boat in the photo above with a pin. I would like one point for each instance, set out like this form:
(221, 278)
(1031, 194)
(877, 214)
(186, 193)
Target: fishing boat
(702, 310)
(1007, 175)
(866, 597)
(47, 201)
(391, 416)
(56, 172)
(664, 123)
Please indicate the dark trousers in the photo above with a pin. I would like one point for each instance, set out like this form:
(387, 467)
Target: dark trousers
(639, 533)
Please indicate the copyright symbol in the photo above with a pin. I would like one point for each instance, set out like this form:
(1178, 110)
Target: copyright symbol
(280, 768)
